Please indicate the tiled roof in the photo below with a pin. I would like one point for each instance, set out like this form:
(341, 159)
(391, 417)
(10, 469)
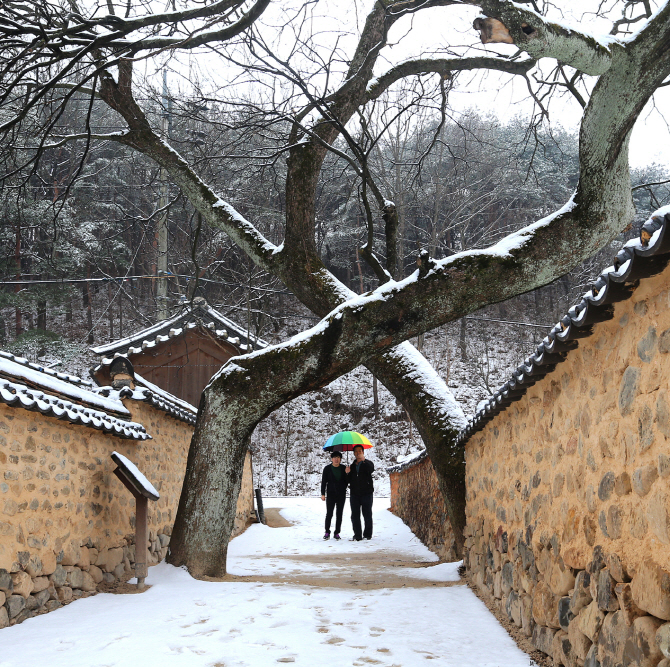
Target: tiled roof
(199, 315)
(638, 259)
(20, 396)
(73, 379)
(159, 398)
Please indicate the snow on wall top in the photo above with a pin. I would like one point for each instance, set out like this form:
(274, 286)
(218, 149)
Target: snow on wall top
(21, 396)
(638, 259)
(13, 369)
(200, 314)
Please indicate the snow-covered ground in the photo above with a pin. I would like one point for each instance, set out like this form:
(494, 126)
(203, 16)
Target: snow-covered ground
(303, 600)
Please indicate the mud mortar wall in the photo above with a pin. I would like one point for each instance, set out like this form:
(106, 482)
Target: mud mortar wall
(417, 500)
(568, 496)
(67, 523)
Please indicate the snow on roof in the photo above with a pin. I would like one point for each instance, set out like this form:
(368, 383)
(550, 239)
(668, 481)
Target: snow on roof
(73, 379)
(161, 399)
(199, 314)
(20, 396)
(146, 485)
(638, 259)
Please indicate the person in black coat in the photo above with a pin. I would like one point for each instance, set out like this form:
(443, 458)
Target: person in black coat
(361, 490)
(334, 492)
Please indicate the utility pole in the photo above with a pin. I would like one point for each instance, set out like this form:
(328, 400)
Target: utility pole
(162, 231)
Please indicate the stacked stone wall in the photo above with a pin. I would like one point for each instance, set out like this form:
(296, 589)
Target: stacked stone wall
(417, 500)
(568, 496)
(67, 524)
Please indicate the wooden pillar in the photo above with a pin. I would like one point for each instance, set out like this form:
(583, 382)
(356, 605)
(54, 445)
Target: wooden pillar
(141, 553)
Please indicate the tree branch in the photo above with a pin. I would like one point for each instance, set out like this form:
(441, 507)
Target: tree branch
(444, 67)
(539, 38)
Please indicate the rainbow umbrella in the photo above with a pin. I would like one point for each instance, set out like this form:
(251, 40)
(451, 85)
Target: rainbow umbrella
(345, 441)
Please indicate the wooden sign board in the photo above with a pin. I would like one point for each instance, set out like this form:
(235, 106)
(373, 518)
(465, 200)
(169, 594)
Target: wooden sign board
(143, 491)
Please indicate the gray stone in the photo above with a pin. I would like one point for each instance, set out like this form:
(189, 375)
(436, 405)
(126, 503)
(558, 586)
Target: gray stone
(164, 540)
(641, 648)
(4, 617)
(663, 639)
(513, 608)
(629, 390)
(664, 663)
(643, 478)
(507, 578)
(602, 522)
(59, 577)
(645, 429)
(42, 597)
(15, 605)
(542, 638)
(565, 615)
(527, 622)
(616, 568)
(614, 522)
(589, 530)
(581, 595)
(663, 465)
(607, 599)
(64, 593)
(32, 603)
(561, 650)
(120, 571)
(591, 659)
(664, 341)
(606, 486)
(6, 583)
(630, 610)
(648, 346)
(108, 577)
(623, 485)
(52, 604)
(75, 577)
(650, 589)
(612, 640)
(663, 413)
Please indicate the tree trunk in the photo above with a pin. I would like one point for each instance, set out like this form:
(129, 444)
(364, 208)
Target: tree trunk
(42, 314)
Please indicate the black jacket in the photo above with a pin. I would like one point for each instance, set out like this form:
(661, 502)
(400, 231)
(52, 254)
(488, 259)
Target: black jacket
(360, 482)
(335, 488)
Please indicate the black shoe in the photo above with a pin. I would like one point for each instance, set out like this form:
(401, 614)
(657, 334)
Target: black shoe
(326, 535)
(337, 536)
(368, 538)
(355, 539)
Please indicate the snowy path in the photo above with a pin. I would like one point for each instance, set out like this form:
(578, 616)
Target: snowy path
(291, 597)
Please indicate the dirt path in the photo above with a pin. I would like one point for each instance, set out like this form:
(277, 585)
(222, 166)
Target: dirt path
(368, 571)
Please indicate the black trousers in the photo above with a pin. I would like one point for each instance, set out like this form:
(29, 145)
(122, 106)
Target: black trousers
(331, 503)
(359, 503)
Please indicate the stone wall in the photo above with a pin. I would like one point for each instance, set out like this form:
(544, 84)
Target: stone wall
(66, 522)
(417, 500)
(568, 496)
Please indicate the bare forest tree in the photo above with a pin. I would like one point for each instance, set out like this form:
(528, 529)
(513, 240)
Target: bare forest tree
(319, 103)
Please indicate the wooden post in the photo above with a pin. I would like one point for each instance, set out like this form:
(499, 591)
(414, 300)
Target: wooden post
(141, 506)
